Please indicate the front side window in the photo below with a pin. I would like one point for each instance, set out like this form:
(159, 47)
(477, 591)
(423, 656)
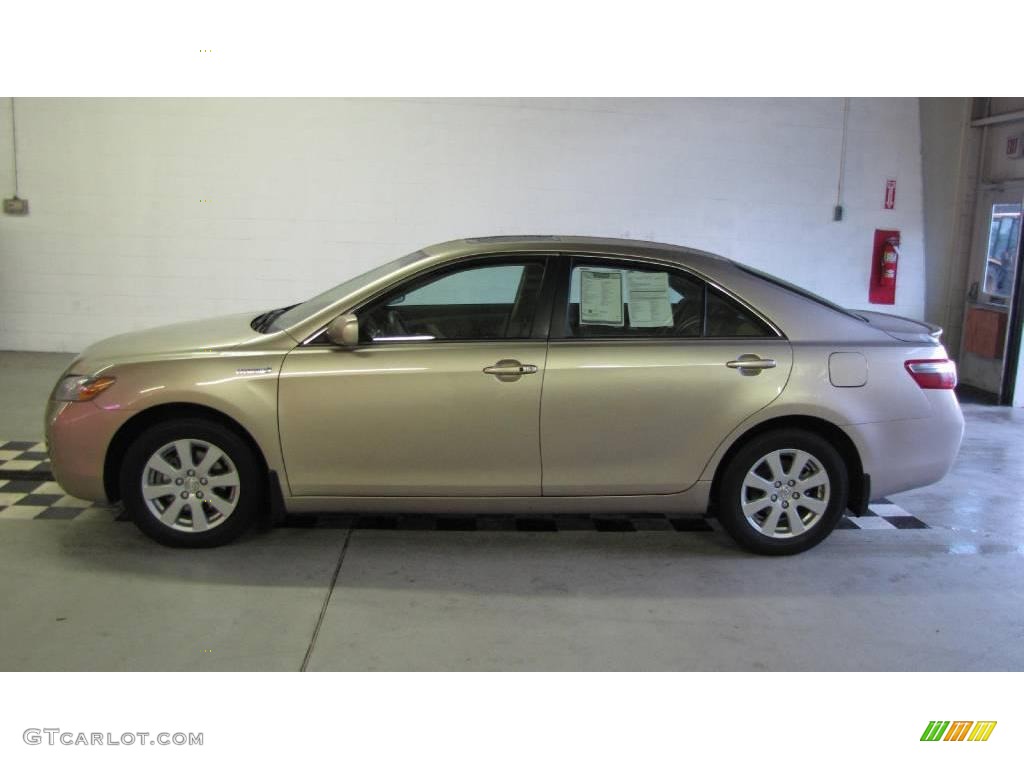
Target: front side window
(484, 301)
(647, 301)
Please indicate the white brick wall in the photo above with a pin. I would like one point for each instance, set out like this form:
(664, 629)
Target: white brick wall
(303, 193)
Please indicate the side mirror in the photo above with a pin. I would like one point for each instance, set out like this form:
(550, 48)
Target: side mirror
(344, 331)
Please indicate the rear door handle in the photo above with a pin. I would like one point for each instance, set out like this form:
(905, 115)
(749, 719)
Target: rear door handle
(751, 365)
(507, 370)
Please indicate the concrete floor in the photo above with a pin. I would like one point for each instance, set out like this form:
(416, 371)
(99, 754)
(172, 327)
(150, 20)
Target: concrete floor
(96, 595)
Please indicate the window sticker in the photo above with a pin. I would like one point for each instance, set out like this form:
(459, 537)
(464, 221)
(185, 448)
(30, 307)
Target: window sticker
(600, 298)
(649, 303)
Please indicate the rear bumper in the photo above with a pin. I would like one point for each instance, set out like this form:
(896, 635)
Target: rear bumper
(910, 453)
(77, 438)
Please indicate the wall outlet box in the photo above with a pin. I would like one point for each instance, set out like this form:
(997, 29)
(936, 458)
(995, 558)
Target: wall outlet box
(16, 206)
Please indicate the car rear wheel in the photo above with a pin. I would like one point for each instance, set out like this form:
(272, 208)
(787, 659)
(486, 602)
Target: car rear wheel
(783, 492)
(190, 483)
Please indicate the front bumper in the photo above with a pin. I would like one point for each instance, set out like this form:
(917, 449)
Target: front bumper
(77, 438)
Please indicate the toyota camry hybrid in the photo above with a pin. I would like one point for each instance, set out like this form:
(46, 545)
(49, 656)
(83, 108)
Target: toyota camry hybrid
(516, 374)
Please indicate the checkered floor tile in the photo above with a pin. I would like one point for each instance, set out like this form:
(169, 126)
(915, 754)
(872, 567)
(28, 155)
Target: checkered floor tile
(28, 491)
(23, 457)
(45, 500)
(22, 499)
(883, 515)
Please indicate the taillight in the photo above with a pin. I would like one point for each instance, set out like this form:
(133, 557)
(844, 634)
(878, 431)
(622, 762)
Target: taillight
(932, 374)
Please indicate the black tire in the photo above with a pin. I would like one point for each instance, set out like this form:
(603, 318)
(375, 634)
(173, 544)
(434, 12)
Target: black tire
(731, 488)
(247, 496)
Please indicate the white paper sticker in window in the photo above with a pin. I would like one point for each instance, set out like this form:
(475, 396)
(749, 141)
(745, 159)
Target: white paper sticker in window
(600, 298)
(649, 303)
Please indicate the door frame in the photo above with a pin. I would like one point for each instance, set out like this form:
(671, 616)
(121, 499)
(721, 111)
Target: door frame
(1014, 331)
(988, 196)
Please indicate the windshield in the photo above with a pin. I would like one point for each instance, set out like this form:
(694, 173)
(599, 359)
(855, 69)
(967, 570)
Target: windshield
(310, 307)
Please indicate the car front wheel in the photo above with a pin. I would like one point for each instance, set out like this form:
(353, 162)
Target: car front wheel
(783, 492)
(190, 483)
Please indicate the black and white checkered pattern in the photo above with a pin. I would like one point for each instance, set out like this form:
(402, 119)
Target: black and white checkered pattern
(28, 492)
(23, 457)
(882, 515)
(46, 500)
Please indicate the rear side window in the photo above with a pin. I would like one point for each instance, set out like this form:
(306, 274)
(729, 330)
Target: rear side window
(728, 319)
(623, 301)
(616, 300)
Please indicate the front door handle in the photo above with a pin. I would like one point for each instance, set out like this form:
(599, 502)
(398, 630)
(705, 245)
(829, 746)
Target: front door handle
(751, 365)
(509, 370)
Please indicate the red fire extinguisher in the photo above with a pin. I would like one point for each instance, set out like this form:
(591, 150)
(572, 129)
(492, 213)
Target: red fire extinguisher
(890, 262)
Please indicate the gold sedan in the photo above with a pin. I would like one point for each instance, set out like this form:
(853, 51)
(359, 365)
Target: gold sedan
(516, 374)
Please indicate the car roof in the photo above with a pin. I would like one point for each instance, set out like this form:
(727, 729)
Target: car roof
(574, 243)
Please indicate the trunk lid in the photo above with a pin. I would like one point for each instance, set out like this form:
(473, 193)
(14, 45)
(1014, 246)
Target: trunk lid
(902, 328)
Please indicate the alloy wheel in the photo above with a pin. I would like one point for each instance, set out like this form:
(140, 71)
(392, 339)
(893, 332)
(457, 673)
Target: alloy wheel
(785, 493)
(190, 485)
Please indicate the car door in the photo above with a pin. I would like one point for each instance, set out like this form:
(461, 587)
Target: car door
(649, 368)
(440, 398)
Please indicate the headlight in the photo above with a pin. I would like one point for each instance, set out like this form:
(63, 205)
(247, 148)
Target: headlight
(77, 389)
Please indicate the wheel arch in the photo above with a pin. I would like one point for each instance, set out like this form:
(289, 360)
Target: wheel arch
(858, 485)
(142, 420)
